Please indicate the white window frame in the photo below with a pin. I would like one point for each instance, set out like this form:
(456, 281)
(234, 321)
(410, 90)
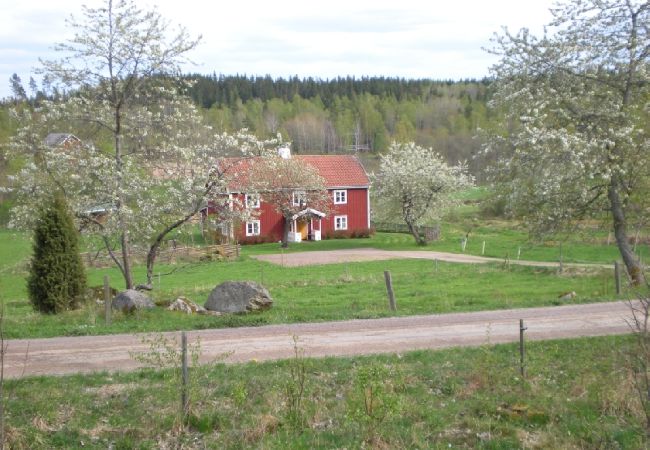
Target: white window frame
(248, 201)
(340, 197)
(297, 196)
(340, 223)
(253, 228)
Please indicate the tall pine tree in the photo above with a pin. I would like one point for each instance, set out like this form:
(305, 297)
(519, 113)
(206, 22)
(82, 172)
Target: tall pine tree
(57, 279)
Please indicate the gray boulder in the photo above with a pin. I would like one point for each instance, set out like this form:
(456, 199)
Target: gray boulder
(131, 300)
(239, 296)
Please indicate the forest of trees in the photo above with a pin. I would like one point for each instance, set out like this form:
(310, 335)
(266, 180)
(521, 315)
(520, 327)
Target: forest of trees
(349, 114)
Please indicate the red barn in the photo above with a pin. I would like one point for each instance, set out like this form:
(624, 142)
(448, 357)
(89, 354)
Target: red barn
(347, 185)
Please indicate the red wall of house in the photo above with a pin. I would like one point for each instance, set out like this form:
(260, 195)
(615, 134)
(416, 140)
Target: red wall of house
(272, 223)
(356, 209)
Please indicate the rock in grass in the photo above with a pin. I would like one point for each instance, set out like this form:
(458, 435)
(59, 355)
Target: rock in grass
(130, 300)
(185, 305)
(239, 296)
(567, 295)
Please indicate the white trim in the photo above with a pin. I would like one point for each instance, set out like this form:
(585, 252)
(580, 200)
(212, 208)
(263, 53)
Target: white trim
(368, 204)
(254, 205)
(298, 195)
(344, 221)
(343, 194)
(253, 224)
(364, 186)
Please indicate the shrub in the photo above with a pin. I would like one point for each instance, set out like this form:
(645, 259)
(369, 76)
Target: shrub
(348, 234)
(262, 239)
(493, 207)
(57, 279)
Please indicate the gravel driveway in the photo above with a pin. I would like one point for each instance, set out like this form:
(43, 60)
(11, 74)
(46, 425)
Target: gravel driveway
(68, 355)
(373, 254)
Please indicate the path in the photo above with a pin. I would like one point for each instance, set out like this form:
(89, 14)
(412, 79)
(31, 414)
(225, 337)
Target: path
(67, 355)
(373, 254)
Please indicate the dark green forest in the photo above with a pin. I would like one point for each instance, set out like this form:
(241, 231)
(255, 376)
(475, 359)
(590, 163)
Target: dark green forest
(349, 114)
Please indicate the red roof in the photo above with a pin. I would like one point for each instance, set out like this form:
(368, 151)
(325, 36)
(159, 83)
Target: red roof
(339, 171)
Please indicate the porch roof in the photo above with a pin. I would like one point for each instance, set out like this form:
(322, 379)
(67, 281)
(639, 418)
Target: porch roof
(308, 212)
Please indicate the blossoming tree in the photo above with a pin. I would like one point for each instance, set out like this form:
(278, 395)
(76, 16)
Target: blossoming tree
(162, 187)
(575, 102)
(288, 184)
(416, 184)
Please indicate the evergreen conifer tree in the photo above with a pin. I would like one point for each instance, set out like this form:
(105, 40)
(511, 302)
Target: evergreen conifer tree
(57, 279)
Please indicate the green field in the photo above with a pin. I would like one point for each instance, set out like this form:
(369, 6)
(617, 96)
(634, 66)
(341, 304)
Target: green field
(577, 394)
(311, 293)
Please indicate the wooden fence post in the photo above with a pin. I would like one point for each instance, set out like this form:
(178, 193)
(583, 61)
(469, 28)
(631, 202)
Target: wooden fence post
(185, 398)
(617, 277)
(107, 300)
(522, 349)
(389, 289)
(561, 268)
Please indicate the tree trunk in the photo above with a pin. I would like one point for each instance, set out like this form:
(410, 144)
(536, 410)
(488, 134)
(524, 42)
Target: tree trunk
(620, 233)
(151, 260)
(413, 229)
(124, 228)
(285, 232)
(126, 258)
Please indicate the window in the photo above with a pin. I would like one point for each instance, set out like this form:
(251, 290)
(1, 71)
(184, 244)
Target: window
(252, 200)
(340, 222)
(340, 197)
(253, 228)
(299, 198)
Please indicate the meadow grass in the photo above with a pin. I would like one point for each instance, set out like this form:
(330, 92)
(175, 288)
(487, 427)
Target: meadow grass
(310, 293)
(321, 293)
(577, 394)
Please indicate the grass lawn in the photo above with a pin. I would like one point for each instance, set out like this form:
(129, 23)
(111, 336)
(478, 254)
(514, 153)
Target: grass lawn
(577, 394)
(313, 293)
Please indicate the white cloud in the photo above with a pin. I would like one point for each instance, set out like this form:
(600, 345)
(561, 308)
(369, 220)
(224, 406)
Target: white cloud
(408, 38)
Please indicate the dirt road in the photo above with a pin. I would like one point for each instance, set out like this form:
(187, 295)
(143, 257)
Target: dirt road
(67, 355)
(373, 254)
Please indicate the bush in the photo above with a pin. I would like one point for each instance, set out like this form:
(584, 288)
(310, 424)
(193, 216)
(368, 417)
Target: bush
(262, 239)
(348, 234)
(493, 207)
(57, 279)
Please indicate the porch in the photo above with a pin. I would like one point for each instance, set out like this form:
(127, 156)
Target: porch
(306, 226)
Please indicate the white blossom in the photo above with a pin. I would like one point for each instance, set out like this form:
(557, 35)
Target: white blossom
(416, 184)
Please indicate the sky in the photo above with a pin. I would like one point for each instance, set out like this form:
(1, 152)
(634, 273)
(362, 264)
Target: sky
(322, 39)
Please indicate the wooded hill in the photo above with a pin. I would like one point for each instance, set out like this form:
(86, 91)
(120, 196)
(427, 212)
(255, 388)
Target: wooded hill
(349, 114)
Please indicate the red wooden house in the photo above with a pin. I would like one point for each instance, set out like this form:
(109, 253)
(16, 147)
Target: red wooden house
(349, 213)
